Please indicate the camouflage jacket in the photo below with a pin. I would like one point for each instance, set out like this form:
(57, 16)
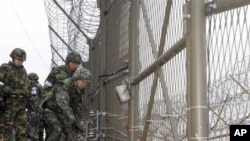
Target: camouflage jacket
(59, 102)
(66, 100)
(63, 101)
(36, 95)
(14, 80)
(76, 98)
(54, 80)
(56, 76)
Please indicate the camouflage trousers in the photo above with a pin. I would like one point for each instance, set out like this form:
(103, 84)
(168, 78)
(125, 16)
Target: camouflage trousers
(52, 125)
(32, 133)
(57, 128)
(13, 121)
(1, 125)
(33, 127)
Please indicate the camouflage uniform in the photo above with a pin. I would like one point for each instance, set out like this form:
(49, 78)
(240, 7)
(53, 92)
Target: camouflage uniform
(54, 80)
(32, 104)
(68, 99)
(62, 114)
(76, 98)
(56, 76)
(13, 95)
(59, 73)
(76, 95)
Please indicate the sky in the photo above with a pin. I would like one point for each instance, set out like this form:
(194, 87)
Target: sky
(24, 24)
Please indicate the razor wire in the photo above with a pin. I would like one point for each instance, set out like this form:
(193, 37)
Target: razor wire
(73, 24)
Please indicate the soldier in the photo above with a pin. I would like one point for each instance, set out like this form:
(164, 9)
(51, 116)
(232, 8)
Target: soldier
(13, 97)
(55, 78)
(76, 87)
(32, 104)
(62, 98)
(59, 73)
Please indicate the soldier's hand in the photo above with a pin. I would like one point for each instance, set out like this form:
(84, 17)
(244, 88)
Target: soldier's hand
(39, 110)
(33, 114)
(2, 106)
(77, 126)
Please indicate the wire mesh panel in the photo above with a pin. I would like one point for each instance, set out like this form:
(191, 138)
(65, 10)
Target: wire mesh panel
(152, 14)
(228, 70)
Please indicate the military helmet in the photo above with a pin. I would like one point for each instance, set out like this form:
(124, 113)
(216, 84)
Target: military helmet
(33, 76)
(82, 74)
(18, 53)
(73, 57)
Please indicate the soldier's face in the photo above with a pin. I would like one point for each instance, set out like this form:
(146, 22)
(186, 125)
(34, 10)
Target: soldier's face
(73, 66)
(18, 62)
(31, 81)
(81, 84)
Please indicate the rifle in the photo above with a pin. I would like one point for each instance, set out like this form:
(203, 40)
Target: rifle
(3, 105)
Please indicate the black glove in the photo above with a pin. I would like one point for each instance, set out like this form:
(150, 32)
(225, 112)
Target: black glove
(77, 126)
(2, 106)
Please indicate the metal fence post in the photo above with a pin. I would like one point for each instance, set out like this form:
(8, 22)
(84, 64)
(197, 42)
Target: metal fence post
(198, 87)
(133, 54)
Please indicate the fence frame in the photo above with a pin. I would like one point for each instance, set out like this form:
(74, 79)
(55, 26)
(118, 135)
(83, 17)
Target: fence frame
(197, 111)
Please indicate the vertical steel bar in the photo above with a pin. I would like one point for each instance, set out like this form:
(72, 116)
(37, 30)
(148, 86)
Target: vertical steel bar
(198, 88)
(186, 23)
(103, 58)
(133, 54)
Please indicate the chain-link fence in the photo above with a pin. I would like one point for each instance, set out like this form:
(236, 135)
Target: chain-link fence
(186, 64)
(163, 77)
